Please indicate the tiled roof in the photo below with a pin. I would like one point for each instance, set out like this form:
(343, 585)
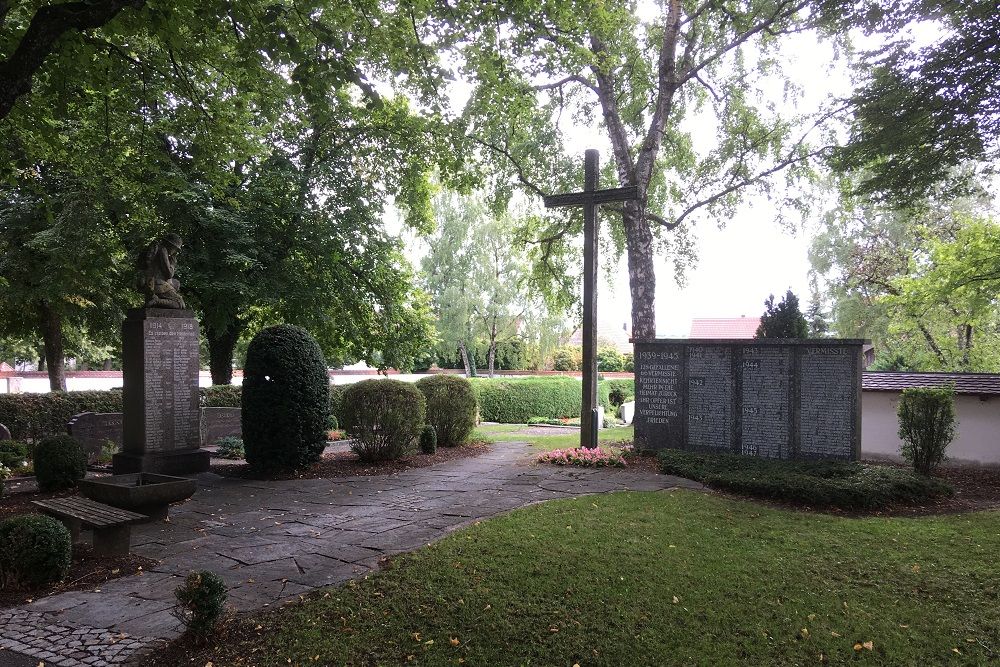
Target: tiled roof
(724, 327)
(965, 383)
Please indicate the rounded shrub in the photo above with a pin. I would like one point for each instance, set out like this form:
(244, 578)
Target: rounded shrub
(285, 400)
(428, 439)
(34, 550)
(202, 601)
(13, 454)
(451, 407)
(59, 463)
(384, 417)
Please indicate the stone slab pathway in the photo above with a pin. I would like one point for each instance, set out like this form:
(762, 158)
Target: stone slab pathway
(272, 541)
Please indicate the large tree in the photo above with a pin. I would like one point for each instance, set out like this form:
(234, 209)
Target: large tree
(924, 111)
(254, 130)
(921, 283)
(646, 76)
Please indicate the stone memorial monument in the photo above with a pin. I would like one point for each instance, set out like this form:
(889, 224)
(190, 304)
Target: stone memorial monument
(161, 431)
(779, 398)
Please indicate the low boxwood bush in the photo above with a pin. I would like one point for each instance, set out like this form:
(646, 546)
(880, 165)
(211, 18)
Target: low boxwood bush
(845, 485)
(926, 425)
(285, 401)
(36, 416)
(13, 454)
(59, 463)
(34, 550)
(230, 447)
(428, 439)
(384, 416)
(202, 602)
(451, 407)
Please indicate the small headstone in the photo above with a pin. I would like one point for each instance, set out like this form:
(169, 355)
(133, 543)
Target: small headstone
(220, 423)
(4, 432)
(93, 430)
(627, 411)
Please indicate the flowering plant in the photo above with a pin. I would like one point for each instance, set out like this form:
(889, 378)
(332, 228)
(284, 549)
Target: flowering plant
(581, 456)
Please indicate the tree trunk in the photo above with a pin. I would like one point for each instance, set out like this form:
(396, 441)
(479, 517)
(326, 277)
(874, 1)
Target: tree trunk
(41, 359)
(641, 273)
(107, 365)
(51, 325)
(491, 354)
(221, 343)
(469, 371)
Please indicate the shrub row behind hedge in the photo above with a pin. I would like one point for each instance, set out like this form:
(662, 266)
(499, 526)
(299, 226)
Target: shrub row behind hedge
(36, 416)
(848, 486)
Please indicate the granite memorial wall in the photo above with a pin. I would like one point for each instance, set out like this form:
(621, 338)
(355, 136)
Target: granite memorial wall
(784, 399)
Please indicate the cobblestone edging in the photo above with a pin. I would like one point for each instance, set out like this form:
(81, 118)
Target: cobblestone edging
(34, 634)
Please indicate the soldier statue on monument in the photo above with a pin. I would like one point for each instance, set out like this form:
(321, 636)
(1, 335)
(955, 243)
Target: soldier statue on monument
(157, 263)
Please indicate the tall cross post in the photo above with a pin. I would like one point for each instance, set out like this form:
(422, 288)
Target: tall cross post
(590, 199)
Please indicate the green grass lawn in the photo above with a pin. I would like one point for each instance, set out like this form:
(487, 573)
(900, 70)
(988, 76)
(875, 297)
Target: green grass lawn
(545, 443)
(660, 579)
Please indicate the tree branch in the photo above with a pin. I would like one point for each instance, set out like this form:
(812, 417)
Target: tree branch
(49, 23)
(517, 165)
(573, 78)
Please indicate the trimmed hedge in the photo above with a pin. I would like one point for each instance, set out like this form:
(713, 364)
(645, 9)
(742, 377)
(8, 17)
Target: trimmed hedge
(848, 486)
(221, 396)
(516, 401)
(59, 463)
(384, 416)
(34, 550)
(36, 416)
(451, 407)
(286, 400)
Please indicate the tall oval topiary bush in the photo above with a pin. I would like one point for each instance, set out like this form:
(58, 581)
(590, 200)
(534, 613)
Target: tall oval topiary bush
(285, 400)
(59, 463)
(451, 407)
(384, 417)
(34, 550)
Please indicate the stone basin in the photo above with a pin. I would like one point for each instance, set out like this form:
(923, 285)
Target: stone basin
(142, 492)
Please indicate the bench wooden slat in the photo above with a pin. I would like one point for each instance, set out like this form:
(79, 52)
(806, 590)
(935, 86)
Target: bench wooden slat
(97, 509)
(85, 512)
(89, 512)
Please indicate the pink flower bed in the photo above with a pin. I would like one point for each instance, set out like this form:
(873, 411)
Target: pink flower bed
(579, 456)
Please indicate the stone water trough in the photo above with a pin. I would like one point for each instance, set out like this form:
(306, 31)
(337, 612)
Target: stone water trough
(142, 492)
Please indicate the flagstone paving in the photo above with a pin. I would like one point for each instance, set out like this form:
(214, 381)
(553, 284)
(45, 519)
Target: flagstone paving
(274, 540)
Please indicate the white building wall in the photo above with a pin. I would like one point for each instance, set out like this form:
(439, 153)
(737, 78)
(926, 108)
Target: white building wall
(977, 437)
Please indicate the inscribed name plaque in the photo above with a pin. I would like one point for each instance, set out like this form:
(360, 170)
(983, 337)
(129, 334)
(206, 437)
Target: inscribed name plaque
(161, 418)
(781, 399)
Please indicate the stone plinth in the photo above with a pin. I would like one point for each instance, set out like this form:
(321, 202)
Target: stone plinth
(220, 423)
(782, 399)
(160, 425)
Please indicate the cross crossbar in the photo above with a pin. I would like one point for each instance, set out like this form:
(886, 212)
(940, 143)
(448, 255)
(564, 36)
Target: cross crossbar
(592, 197)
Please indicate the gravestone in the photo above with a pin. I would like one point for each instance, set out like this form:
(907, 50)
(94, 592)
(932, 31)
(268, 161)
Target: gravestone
(94, 429)
(782, 399)
(161, 426)
(220, 423)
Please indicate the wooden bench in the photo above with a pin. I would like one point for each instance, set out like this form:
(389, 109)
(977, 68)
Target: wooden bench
(112, 527)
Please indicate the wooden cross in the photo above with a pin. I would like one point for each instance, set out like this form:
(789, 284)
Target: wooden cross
(589, 199)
